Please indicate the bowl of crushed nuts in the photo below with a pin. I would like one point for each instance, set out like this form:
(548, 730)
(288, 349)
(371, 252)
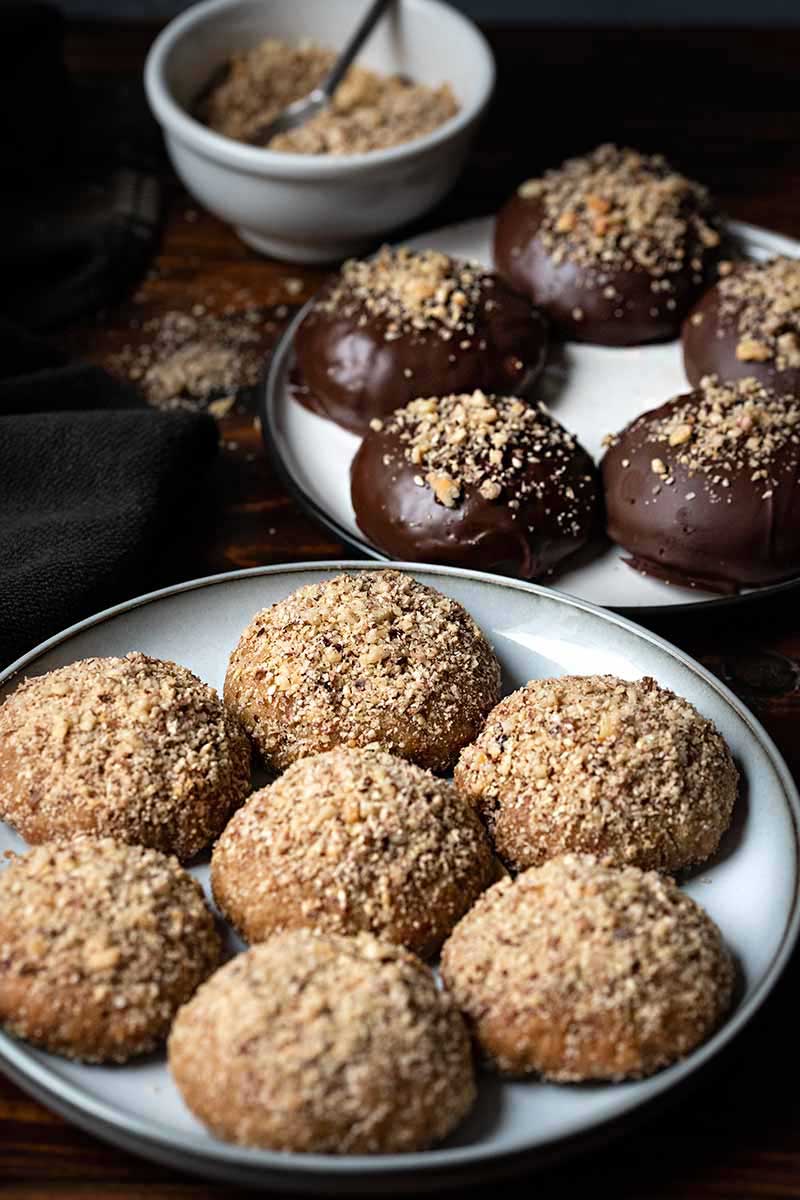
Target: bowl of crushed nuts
(386, 149)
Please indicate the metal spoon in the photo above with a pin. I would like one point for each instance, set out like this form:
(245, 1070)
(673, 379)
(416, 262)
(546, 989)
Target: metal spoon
(303, 110)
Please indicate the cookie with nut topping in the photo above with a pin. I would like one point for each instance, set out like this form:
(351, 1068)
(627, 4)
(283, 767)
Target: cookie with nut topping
(350, 841)
(580, 971)
(748, 325)
(134, 748)
(595, 764)
(703, 491)
(324, 1044)
(475, 480)
(413, 323)
(371, 658)
(100, 944)
(615, 246)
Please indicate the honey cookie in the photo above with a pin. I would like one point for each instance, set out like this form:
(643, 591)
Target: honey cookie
(581, 971)
(133, 748)
(100, 944)
(368, 659)
(324, 1044)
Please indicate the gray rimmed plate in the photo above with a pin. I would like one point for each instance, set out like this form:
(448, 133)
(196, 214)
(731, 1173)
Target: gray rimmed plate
(536, 632)
(592, 390)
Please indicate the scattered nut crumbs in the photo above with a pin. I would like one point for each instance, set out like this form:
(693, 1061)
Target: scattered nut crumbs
(602, 765)
(196, 360)
(491, 443)
(368, 111)
(616, 209)
(413, 292)
(762, 301)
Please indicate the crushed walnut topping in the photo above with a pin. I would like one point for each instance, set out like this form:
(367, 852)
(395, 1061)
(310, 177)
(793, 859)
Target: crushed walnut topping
(719, 433)
(581, 971)
(368, 111)
(603, 765)
(493, 444)
(762, 302)
(412, 292)
(371, 658)
(617, 209)
(353, 840)
(728, 428)
(100, 943)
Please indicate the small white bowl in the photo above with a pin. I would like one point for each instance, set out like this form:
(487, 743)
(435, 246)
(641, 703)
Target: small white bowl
(317, 208)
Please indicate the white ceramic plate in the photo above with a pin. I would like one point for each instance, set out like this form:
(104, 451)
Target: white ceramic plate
(536, 632)
(593, 390)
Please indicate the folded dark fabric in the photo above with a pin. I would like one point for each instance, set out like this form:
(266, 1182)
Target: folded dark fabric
(92, 484)
(84, 499)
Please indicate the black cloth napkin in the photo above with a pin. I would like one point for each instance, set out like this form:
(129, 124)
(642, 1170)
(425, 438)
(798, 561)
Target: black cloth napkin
(87, 494)
(92, 482)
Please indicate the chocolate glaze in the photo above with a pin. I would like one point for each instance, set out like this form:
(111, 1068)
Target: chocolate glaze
(352, 373)
(741, 540)
(634, 316)
(709, 348)
(408, 522)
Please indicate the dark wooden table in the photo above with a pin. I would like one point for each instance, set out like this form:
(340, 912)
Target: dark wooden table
(723, 104)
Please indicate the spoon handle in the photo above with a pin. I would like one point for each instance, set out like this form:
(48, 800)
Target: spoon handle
(370, 19)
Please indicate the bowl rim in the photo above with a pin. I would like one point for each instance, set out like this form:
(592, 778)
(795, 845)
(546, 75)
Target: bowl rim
(254, 160)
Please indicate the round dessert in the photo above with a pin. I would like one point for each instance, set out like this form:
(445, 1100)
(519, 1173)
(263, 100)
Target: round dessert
(581, 971)
(132, 747)
(703, 490)
(353, 840)
(100, 944)
(615, 246)
(323, 1043)
(407, 324)
(372, 659)
(592, 763)
(748, 325)
(475, 481)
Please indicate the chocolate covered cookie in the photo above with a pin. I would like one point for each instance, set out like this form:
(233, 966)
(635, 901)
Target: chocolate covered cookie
(748, 324)
(406, 324)
(614, 246)
(475, 480)
(704, 490)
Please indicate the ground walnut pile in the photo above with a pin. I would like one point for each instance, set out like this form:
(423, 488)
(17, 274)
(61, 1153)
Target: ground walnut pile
(368, 111)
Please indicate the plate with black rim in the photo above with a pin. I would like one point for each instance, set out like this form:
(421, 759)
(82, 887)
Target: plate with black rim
(536, 632)
(592, 390)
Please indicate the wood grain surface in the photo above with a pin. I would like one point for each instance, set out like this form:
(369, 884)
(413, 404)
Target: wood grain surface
(723, 104)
